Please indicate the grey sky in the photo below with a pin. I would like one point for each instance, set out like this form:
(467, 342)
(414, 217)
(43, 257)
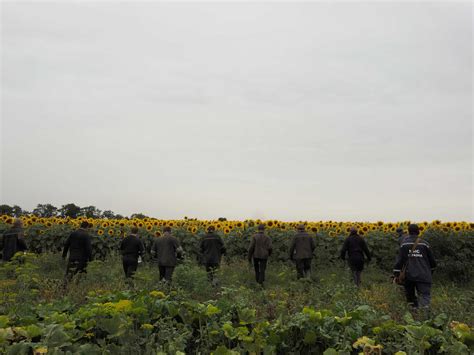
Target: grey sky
(347, 111)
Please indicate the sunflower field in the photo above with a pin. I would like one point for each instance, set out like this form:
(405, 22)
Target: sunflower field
(451, 242)
(102, 313)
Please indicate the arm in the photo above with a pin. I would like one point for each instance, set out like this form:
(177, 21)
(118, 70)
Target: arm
(179, 249)
(270, 247)
(401, 260)
(141, 248)
(223, 250)
(66, 247)
(251, 249)
(154, 249)
(366, 251)
(88, 248)
(345, 246)
(292, 248)
(313, 245)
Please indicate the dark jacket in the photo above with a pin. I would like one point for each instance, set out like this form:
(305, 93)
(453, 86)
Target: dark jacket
(131, 247)
(420, 263)
(79, 246)
(13, 242)
(356, 247)
(302, 246)
(260, 247)
(166, 249)
(212, 248)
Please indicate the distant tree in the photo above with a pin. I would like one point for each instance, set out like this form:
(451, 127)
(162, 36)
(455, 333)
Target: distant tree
(108, 214)
(222, 219)
(90, 212)
(138, 216)
(17, 211)
(6, 209)
(45, 210)
(119, 216)
(69, 210)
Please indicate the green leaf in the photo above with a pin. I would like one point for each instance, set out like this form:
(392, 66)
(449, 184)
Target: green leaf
(33, 331)
(310, 337)
(4, 321)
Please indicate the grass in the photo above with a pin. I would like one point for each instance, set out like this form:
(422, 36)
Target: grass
(330, 287)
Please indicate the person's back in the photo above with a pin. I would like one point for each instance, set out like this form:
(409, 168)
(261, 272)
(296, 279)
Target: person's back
(301, 251)
(131, 246)
(416, 259)
(356, 247)
(261, 246)
(419, 263)
(302, 246)
(259, 251)
(79, 246)
(165, 250)
(212, 248)
(12, 242)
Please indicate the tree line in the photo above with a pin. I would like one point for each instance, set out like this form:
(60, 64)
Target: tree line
(71, 210)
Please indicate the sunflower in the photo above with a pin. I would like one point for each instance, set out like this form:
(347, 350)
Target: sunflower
(111, 232)
(100, 232)
(157, 234)
(226, 230)
(194, 230)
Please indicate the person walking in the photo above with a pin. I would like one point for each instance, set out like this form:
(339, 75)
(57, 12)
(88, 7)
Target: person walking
(131, 248)
(211, 248)
(259, 251)
(166, 250)
(78, 244)
(13, 240)
(355, 246)
(414, 268)
(301, 251)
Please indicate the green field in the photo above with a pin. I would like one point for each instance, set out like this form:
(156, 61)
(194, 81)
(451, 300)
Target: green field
(100, 313)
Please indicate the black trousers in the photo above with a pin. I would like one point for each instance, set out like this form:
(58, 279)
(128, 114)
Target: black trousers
(130, 265)
(260, 266)
(303, 267)
(356, 265)
(423, 289)
(211, 270)
(166, 272)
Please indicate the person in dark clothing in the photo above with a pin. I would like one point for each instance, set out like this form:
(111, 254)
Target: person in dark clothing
(166, 250)
(301, 251)
(212, 248)
(356, 247)
(13, 240)
(78, 244)
(416, 258)
(259, 251)
(131, 248)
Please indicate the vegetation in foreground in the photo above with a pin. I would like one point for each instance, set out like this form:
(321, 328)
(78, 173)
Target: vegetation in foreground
(100, 313)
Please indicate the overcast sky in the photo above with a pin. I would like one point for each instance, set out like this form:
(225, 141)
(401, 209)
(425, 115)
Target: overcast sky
(293, 111)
